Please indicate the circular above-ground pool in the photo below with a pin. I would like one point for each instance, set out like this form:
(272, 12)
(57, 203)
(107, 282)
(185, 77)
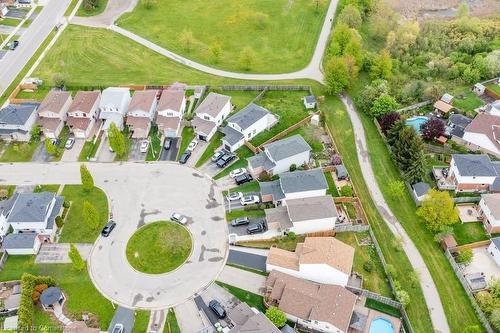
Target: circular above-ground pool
(381, 325)
(416, 122)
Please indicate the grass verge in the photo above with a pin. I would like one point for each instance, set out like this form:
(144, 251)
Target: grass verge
(253, 300)
(187, 136)
(215, 143)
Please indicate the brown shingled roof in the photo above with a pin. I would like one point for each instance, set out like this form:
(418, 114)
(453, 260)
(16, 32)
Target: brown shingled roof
(50, 124)
(171, 99)
(202, 125)
(168, 122)
(142, 100)
(77, 122)
(84, 101)
(138, 122)
(488, 125)
(54, 101)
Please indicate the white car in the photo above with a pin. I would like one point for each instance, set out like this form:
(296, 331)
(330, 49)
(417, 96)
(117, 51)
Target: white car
(144, 146)
(237, 172)
(179, 218)
(249, 200)
(192, 145)
(69, 143)
(233, 196)
(118, 328)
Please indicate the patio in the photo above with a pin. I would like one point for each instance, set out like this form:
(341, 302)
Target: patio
(444, 182)
(468, 213)
(482, 262)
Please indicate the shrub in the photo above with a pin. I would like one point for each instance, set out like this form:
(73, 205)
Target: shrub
(387, 120)
(485, 301)
(465, 257)
(346, 191)
(495, 318)
(293, 167)
(35, 296)
(368, 266)
(276, 316)
(59, 221)
(26, 310)
(66, 204)
(291, 235)
(403, 297)
(41, 287)
(391, 271)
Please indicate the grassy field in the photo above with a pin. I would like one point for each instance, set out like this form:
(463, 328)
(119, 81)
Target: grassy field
(187, 136)
(101, 6)
(141, 321)
(43, 319)
(281, 33)
(75, 230)
(171, 325)
(470, 232)
(253, 300)
(19, 151)
(47, 188)
(468, 103)
(210, 150)
(332, 188)
(243, 153)
(159, 247)
(239, 99)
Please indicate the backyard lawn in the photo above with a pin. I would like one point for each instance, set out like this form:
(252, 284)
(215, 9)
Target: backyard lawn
(11, 22)
(252, 186)
(471, 232)
(75, 230)
(468, 102)
(187, 136)
(285, 243)
(332, 188)
(83, 11)
(282, 34)
(312, 135)
(239, 98)
(253, 300)
(47, 188)
(494, 87)
(19, 151)
(251, 214)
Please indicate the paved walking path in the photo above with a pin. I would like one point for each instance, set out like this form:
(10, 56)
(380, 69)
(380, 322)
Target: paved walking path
(114, 9)
(242, 279)
(431, 294)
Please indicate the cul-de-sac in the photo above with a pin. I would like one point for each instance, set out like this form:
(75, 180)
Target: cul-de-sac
(250, 166)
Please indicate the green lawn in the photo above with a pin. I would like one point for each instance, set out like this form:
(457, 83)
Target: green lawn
(494, 87)
(159, 247)
(11, 22)
(187, 136)
(89, 150)
(19, 151)
(252, 186)
(171, 325)
(239, 98)
(284, 243)
(253, 300)
(9, 189)
(468, 103)
(332, 188)
(288, 106)
(241, 213)
(71, 6)
(466, 233)
(27, 23)
(281, 33)
(312, 135)
(47, 188)
(101, 6)
(75, 230)
(210, 150)
(63, 137)
(154, 149)
(243, 153)
(372, 304)
(141, 321)
(42, 318)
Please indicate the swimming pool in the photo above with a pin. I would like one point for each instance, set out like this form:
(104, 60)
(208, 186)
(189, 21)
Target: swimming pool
(416, 122)
(381, 325)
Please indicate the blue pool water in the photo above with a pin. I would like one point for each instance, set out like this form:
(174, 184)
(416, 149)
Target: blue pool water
(381, 325)
(416, 122)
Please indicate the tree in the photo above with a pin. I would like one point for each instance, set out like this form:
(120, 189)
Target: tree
(492, 62)
(432, 128)
(403, 297)
(383, 104)
(86, 178)
(387, 120)
(76, 258)
(50, 147)
(465, 257)
(247, 58)
(495, 319)
(438, 210)
(472, 329)
(276, 316)
(396, 188)
(463, 10)
(494, 285)
(407, 151)
(382, 66)
(471, 75)
(36, 133)
(370, 94)
(350, 16)
(485, 301)
(116, 140)
(186, 39)
(90, 215)
(337, 75)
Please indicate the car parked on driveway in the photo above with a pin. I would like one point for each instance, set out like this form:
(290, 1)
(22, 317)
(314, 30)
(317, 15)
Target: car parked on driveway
(69, 143)
(185, 157)
(217, 156)
(245, 178)
(144, 146)
(240, 221)
(224, 160)
(237, 172)
(192, 145)
(255, 228)
(108, 228)
(179, 218)
(249, 200)
(118, 328)
(167, 144)
(233, 196)
(217, 308)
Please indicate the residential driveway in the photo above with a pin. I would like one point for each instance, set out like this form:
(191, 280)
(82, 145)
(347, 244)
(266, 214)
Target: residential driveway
(196, 153)
(226, 182)
(226, 299)
(135, 151)
(16, 13)
(242, 229)
(41, 154)
(104, 154)
(246, 259)
(210, 168)
(157, 320)
(141, 193)
(71, 155)
(190, 318)
(254, 283)
(57, 253)
(171, 154)
(123, 316)
(236, 204)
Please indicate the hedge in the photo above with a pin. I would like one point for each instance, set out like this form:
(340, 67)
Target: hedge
(26, 306)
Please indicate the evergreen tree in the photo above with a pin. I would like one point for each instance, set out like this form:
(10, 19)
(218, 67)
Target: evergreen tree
(90, 215)
(116, 140)
(407, 150)
(86, 178)
(76, 258)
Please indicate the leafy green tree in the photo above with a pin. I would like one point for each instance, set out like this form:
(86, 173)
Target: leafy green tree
(342, 36)
(403, 297)
(371, 93)
(383, 104)
(381, 68)
(276, 316)
(76, 258)
(492, 61)
(495, 318)
(350, 16)
(50, 147)
(186, 39)
(407, 151)
(438, 210)
(465, 256)
(36, 133)
(247, 58)
(116, 140)
(471, 75)
(86, 178)
(336, 75)
(90, 215)
(486, 302)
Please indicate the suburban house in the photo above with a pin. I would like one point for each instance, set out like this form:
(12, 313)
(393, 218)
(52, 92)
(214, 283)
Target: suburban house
(489, 210)
(171, 108)
(210, 114)
(17, 120)
(278, 156)
(483, 133)
(493, 108)
(30, 213)
(419, 191)
(309, 102)
(3, 9)
(456, 126)
(317, 307)
(494, 250)
(113, 106)
(141, 112)
(442, 108)
(52, 113)
(246, 320)
(22, 244)
(246, 124)
(319, 259)
(294, 185)
(302, 216)
(83, 113)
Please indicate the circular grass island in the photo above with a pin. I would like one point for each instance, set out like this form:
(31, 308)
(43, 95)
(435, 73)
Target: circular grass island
(159, 247)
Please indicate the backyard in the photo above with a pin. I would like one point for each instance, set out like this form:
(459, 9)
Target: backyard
(281, 34)
(471, 232)
(19, 151)
(467, 102)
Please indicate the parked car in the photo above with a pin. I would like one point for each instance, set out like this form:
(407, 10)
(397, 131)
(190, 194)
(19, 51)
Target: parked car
(249, 200)
(240, 221)
(237, 172)
(255, 228)
(55, 141)
(13, 45)
(167, 144)
(144, 146)
(179, 218)
(108, 228)
(217, 155)
(185, 157)
(224, 160)
(233, 196)
(118, 328)
(69, 143)
(111, 149)
(245, 178)
(192, 145)
(217, 308)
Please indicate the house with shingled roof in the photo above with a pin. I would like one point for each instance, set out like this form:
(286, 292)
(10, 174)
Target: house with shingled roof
(171, 108)
(52, 112)
(249, 320)
(113, 106)
(210, 114)
(17, 121)
(474, 173)
(141, 112)
(483, 133)
(83, 113)
(489, 211)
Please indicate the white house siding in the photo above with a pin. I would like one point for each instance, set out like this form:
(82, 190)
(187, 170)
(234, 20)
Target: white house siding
(469, 180)
(308, 226)
(256, 128)
(226, 109)
(495, 253)
(320, 273)
(298, 160)
(4, 226)
(318, 326)
(173, 113)
(482, 141)
(234, 147)
(305, 194)
(22, 252)
(491, 224)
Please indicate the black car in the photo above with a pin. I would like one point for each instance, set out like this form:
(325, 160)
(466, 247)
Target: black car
(14, 44)
(224, 160)
(244, 178)
(240, 221)
(217, 308)
(108, 228)
(185, 157)
(255, 228)
(167, 144)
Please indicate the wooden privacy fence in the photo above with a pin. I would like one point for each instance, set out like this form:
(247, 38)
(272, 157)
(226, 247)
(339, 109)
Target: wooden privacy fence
(472, 245)
(259, 88)
(352, 228)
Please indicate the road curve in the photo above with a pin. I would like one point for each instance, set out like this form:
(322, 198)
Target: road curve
(427, 284)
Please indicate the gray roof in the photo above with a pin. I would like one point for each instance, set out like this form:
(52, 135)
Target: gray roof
(496, 184)
(231, 135)
(421, 188)
(114, 96)
(313, 208)
(474, 165)
(55, 212)
(261, 160)
(19, 241)
(50, 296)
(17, 114)
(248, 116)
(341, 171)
(287, 147)
(272, 188)
(496, 241)
(459, 120)
(213, 104)
(306, 180)
(245, 320)
(310, 99)
(31, 207)
(6, 205)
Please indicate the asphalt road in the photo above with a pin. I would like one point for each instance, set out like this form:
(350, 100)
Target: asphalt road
(246, 259)
(13, 62)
